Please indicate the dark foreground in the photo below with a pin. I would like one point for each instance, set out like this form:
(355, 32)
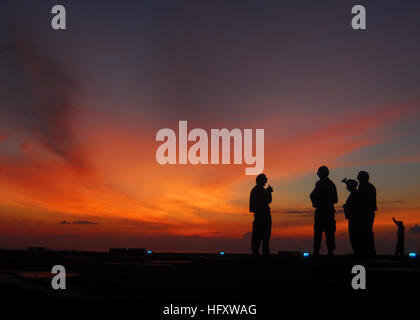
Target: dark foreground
(181, 278)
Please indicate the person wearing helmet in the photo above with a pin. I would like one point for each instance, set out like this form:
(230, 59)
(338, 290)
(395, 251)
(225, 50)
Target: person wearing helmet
(323, 198)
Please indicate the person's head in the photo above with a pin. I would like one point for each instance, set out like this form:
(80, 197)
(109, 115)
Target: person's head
(400, 223)
(323, 172)
(350, 184)
(363, 177)
(261, 179)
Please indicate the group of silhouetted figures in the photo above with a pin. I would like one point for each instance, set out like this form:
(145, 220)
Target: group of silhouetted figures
(359, 210)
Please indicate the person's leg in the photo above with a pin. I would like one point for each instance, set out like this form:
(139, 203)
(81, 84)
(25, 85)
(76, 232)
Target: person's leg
(330, 237)
(265, 246)
(317, 236)
(255, 240)
(400, 249)
(266, 238)
(255, 244)
(371, 237)
(257, 233)
(357, 237)
(365, 236)
(351, 235)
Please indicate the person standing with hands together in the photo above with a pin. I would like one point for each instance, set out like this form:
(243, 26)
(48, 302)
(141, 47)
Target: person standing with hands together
(259, 203)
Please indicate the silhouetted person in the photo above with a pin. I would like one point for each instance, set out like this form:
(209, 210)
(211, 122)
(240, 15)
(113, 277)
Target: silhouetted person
(259, 201)
(323, 198)
(352, 214)
(367, 196)
(399, 249)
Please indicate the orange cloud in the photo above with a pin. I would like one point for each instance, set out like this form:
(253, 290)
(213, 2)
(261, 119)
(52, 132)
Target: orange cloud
(125, 182)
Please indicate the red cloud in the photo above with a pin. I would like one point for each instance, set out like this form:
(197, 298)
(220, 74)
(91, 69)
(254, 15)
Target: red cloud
(314, 147)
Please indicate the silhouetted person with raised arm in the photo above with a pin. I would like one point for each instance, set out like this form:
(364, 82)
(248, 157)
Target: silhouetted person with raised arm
(352, 214)
(323, 198)
(259, 201)
(367, 196)
(399, 249)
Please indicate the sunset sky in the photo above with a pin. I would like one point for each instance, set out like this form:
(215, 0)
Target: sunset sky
(80, 109)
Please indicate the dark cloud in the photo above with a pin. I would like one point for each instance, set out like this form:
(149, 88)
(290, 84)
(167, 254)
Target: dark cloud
(84, 222)
(298, 213)
(392, 201)
(415, 229)
(38, 96)
(78, 222)
(137, 224)
(302, 213)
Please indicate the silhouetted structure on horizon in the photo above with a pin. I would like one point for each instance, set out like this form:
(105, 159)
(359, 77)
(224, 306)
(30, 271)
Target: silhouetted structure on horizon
(323, 198)
(259, 201)
(399, 248)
